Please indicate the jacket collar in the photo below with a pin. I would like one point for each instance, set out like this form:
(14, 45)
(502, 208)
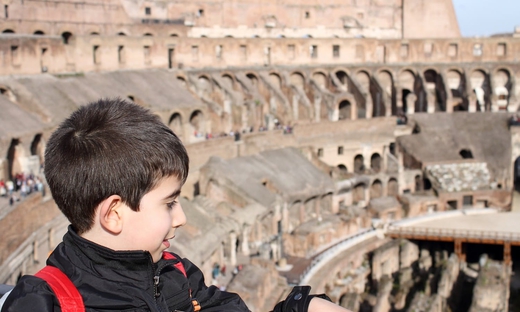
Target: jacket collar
(96, 259)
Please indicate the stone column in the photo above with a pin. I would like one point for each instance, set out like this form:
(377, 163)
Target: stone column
(245, 241)
(411, 98)
(232, 248)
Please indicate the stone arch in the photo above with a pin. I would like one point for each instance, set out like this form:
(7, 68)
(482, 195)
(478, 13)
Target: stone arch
(376, 189)
(148, 34)
(5, 91)
(295, 213)
(14, 153)
(298, 80)
(321, 79)
(419, 183)
(175, 124)
(456, 86)
(204, 85)
(358, 193)
(66, 36)
(406, 80)
(38, 147)
(435, 90)
(8, 31)
(276, 80)
(345, 110)
(343, 77)
(375, 162)
(38, 33)
(325, 202)
(363, 78)
(479, 81)
(310, 207)
(253, 79)
(342, 168)
(359, 164)
(393, 187)
(174, 35)
(228, 80)
(502, 87)
(182, 81)
(197, 122)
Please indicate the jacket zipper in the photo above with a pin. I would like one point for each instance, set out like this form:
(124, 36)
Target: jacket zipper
(156, 280)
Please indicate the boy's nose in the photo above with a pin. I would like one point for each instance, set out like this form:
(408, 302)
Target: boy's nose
(179, 217)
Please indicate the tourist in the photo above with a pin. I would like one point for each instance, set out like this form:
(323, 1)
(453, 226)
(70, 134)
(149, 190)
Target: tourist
(116, 171)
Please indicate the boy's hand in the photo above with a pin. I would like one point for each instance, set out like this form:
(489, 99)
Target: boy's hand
(319, 305)
(299, 300)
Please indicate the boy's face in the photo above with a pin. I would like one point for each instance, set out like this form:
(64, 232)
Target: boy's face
(159, 215)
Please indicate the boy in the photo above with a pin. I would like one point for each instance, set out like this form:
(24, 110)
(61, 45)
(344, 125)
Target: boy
(116, 172)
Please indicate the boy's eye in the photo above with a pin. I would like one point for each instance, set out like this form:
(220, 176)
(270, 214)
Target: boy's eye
(170, 205)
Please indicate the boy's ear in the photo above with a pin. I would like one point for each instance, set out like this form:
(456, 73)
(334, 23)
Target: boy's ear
(111, 214)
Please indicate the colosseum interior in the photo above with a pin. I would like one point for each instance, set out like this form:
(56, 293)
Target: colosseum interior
(354, 146)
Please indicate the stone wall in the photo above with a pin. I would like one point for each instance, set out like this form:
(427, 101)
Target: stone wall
(29, 54)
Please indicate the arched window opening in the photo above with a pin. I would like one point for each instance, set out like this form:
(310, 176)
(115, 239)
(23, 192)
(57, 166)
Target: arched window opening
(253, 79)
(174, 35)
(466, 153)
(434, 87)
(196, 121)
(11, 156)
(298, 80)
(393, 187)
(8, 94)
(182, 82)
(376, 190)
(342, 77)
(66, 36)
(342, 168)
(359, 164)
(39, 33)
(427, 184)
(8, 31)
(175, 124)
(391, 148)
(121, 33)
(276, 80)
(375, 162)
(358, 194)
(148, 35)
(345, 110)
(94, 33)
(419, 185)
(34, 144)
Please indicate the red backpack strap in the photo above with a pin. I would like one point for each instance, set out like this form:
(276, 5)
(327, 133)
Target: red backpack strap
(67, 294)
(178, 265)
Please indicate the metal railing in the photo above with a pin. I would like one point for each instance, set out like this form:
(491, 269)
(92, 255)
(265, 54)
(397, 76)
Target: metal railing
(320, 260)
(455, 233)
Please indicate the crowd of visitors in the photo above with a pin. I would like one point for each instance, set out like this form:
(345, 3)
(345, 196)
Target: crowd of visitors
(20, 187)
(287, 129)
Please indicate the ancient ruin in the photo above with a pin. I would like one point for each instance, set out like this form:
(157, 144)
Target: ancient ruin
(330, 142)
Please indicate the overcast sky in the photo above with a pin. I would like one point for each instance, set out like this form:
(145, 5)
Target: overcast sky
(487, 17)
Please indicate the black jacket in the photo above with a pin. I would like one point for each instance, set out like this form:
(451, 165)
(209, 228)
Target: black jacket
(120, 281)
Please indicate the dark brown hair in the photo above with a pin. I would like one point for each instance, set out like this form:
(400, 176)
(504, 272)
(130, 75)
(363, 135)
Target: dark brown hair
(109, 147)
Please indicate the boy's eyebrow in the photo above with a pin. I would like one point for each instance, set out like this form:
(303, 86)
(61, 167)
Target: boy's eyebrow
(175, 193)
